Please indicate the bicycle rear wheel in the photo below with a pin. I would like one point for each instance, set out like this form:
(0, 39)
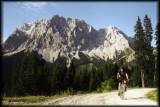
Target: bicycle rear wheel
(122, 90)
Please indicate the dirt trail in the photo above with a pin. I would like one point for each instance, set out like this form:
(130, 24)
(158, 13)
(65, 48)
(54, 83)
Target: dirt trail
(132, 97)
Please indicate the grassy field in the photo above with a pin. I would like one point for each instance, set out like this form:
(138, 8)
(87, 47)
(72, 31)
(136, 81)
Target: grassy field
(153, 95)
(34, 100)
(30, 99)
(18, 100)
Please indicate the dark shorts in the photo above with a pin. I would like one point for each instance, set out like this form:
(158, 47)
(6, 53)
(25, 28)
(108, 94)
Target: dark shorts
(121, 81)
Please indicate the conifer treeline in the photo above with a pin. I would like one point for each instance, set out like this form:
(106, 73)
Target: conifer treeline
(29, 74)
(144, 53)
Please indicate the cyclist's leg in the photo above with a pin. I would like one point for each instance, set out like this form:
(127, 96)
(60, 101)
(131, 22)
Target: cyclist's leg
(125, 85)
(119, 88)
(122, 89)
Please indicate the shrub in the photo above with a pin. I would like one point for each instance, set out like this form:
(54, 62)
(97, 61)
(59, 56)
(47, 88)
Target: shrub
(106, 85)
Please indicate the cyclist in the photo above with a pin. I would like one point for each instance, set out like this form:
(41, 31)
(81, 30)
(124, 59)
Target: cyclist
(122, 77)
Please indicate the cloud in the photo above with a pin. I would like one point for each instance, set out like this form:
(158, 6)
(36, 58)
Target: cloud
(33, 5)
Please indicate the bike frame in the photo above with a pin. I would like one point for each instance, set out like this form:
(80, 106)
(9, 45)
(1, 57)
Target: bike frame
(122, 89)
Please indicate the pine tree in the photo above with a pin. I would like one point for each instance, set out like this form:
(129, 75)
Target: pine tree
(148, 30)
(149, 58)
(157, 35)
(156, 54)
(139, 45)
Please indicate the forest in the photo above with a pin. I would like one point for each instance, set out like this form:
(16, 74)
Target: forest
(27, 73)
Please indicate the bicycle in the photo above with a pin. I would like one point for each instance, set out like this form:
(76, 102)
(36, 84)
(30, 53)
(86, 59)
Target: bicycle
(122, 89)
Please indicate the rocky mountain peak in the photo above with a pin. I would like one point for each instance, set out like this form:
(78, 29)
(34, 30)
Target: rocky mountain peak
(65, 36)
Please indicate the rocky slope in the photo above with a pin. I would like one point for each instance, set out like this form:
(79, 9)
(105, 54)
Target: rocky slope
(67, 37)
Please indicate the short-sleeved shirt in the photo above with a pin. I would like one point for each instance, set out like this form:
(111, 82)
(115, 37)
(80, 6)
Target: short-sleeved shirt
(122, 76)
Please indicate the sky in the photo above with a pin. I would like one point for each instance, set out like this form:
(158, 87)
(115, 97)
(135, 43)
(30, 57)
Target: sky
(98, 14)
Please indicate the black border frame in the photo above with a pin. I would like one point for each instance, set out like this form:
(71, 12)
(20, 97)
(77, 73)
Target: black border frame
(158, 15)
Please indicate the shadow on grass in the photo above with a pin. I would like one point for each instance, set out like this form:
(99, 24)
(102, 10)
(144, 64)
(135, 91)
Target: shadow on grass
(137, 98)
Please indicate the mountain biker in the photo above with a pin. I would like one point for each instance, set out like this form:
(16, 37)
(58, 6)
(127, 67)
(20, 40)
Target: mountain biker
(122, 78)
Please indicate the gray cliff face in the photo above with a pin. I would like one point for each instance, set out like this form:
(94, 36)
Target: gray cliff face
(65, 37)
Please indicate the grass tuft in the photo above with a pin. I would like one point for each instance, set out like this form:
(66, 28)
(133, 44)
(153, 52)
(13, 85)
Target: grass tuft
(153, 95)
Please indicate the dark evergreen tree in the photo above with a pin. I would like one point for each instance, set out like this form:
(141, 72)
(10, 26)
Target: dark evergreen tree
(148, 30)
(148, 54)
(69, 77)
(156, 55)
(139, 45)
(157, 35)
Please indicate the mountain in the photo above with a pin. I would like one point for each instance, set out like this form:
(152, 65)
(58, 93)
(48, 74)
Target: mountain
(59, 36)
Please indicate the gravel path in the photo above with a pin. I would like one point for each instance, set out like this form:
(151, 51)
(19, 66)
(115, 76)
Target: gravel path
(132, 97)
